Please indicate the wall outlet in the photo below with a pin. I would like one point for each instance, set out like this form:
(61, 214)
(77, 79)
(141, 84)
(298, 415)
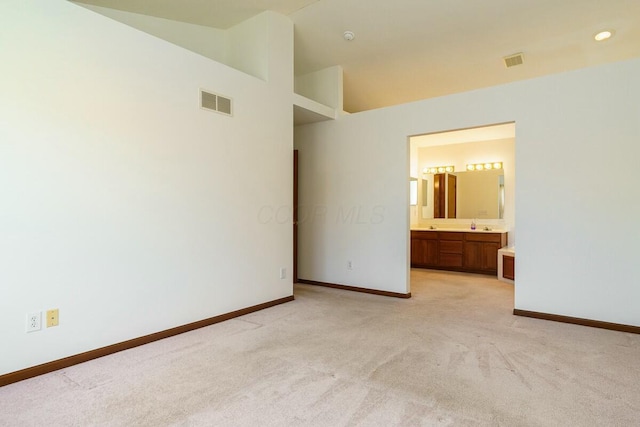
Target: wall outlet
(349, 265)
(283, 273)
(52, 317)
(34, 321)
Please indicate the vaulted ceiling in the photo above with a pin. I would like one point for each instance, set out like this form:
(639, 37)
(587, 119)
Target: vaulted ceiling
(406, 50)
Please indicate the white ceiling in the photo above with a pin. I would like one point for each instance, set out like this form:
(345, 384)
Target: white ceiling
(212, 13)
(406, 50)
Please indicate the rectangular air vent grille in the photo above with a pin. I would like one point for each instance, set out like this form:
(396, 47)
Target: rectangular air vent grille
(513, 60)
(214, 102)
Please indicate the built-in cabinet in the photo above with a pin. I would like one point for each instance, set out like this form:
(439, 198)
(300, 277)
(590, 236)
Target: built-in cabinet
(474, 252)
(424, 249)
(509, 267)
(450, 249)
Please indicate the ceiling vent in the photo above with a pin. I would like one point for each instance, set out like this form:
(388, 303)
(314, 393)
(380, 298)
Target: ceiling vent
(513, 60)
(214, 102)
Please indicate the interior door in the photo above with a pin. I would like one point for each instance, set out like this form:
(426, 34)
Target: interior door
(452, 183)
(438, 196)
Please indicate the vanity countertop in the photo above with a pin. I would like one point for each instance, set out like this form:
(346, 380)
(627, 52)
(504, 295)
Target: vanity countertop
(463, 230)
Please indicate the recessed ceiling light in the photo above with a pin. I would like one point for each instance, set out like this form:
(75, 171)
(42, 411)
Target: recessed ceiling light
(603, 35)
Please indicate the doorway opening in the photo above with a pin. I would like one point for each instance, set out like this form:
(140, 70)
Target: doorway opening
(463, 198)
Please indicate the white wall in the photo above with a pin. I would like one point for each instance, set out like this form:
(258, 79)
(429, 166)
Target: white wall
(416, 212)
(247, 47)
(353, 201)
(243, 46)
(323, 86)
(122, 203)
(577, 139)
(208, 41)
(459, 155)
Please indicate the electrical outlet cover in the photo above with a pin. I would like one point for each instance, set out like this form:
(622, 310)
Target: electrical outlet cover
(34, 321)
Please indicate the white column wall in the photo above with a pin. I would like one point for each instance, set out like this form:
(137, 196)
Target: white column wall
(576, 213)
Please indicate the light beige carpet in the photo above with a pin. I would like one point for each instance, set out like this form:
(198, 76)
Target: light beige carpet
(451, 355)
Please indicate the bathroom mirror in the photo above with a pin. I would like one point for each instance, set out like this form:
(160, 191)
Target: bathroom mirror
(474, 196)
(467, 195)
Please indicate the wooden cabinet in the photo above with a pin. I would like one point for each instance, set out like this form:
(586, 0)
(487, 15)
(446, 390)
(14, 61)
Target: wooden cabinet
(507, 264)
(451, 246)
(424, 249)
(481, 251)
(509, 267)
(473, 255)
(457, 250)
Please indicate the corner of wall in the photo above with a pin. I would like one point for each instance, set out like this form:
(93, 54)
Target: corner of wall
(324, 86)
(247, 47)
(207, 41)
(280, 45)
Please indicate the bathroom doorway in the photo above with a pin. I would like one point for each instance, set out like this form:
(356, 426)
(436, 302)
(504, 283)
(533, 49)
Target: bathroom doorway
(465, 180)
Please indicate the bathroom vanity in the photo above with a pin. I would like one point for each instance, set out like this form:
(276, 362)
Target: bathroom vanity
(472, 251)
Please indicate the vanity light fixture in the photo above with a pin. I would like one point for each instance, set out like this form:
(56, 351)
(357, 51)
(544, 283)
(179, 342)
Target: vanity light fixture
(484, 166)
(438, 169)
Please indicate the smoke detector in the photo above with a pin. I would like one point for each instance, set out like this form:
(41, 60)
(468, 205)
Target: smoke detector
(348, 35)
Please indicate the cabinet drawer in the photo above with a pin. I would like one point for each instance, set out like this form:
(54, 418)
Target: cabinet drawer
(448, 246)
(450, 260)
(424, 235)
(444, 235)
(483, 237)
